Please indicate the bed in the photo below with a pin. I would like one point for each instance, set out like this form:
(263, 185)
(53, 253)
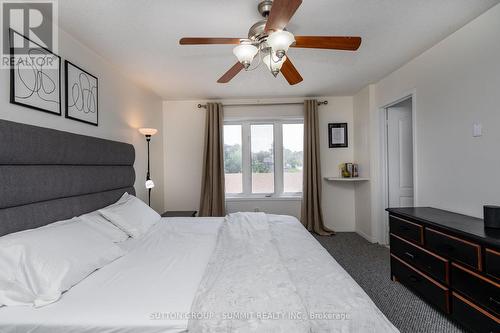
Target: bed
(243, 273)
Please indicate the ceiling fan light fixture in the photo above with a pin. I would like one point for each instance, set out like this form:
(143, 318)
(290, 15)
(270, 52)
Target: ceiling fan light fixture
(280, 42)
(245, 54)
(274, 65)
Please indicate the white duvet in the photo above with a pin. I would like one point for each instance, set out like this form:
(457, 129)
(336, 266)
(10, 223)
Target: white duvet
(190, 266)
(264, 277)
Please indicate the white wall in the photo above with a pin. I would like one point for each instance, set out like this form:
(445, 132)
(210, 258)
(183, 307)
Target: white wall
(123, 107)
(183, 124)
(456, 83)
(337, 197)
(184, 129)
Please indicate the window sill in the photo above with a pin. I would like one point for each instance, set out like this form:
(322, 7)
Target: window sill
(280, 198)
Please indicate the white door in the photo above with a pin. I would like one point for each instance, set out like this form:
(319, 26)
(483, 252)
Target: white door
(400, 154)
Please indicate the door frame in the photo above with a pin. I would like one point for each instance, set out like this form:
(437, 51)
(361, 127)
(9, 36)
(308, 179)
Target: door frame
(384, 184)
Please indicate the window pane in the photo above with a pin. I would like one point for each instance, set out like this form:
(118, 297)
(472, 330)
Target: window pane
(232, 159)
(293, 157)
(262, 147)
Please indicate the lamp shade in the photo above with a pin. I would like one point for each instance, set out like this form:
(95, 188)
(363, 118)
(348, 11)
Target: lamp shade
(245, 53)
(148, 131)
(275, 64)
(280, 40)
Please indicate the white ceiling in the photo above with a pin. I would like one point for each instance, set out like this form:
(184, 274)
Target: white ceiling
(141, 38)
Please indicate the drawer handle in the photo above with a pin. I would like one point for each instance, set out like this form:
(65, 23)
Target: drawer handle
(492, 300)
(404, 228)
(413, 278)
(410, 255)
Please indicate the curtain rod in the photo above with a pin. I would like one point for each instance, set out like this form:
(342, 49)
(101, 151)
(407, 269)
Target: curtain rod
(204, 106)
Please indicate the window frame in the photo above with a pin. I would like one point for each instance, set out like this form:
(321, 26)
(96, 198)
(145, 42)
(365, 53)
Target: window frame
(246, 157)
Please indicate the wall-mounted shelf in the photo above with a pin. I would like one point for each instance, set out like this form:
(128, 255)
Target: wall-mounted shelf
(339, 179)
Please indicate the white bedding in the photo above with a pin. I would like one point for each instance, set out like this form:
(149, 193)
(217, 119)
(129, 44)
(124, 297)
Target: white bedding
(160, 274)
(159, 277)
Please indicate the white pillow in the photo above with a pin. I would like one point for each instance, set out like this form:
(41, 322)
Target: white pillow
(132, 216)
(101, 224)
(97, 221)
(38, 265)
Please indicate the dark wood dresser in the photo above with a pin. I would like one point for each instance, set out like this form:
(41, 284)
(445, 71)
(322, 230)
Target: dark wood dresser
(451, 261)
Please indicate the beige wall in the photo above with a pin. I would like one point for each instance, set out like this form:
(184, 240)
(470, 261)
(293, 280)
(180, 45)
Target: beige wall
(183, 125)
(362, 195)
(123, 107)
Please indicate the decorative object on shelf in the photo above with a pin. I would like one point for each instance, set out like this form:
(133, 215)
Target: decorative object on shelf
(81, 91)
(348, 170)
(148, 133)
(337, 135)
(492, 217)
(35, 75)
(355, 170)
(269, 40)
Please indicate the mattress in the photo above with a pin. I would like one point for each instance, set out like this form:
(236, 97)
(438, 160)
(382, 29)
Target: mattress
(151, 289)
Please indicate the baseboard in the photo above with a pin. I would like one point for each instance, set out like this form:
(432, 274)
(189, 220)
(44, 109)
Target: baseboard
(365, 236)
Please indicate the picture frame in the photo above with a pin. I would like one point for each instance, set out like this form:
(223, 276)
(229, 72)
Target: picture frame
(35, 78)
(338, 135)
(81, 94)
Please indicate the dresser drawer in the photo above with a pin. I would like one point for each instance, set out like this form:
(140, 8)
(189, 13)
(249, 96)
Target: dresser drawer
(454, 248)
(406, 229)
(481, 290)
(429, 289)
(492, 263)
(473, 317)
(426, 261)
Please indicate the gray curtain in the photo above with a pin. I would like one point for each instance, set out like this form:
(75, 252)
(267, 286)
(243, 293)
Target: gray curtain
(312, 215)
(212, 200)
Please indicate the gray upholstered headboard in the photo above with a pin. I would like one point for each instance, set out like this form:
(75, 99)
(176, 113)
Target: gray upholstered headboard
(48, 175)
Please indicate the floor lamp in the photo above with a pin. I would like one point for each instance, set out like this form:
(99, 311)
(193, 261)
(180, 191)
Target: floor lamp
(148, 133)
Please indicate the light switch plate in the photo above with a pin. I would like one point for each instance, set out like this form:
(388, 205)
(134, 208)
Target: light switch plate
(477, 130)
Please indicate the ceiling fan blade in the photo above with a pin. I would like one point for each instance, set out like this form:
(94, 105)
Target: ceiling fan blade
(290, 72)
(328, 42)
(228, 76)
(281, 13)
(204, 40)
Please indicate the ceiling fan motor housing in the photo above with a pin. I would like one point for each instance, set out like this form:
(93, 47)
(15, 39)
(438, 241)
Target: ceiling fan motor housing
(257, 31)
(265, 7)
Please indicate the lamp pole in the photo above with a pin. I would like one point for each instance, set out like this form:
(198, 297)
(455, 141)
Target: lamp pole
(148, 175)
(148, 133)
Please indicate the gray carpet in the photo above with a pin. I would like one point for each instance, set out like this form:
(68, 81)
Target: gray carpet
(369, 265)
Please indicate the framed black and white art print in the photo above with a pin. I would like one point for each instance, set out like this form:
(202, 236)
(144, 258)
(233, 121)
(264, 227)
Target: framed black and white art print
(337, 135)
(35, 75)
(81, 90)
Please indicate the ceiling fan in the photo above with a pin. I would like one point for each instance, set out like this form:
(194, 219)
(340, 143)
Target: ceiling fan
(270, 40)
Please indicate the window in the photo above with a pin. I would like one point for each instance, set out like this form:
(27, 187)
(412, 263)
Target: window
(263, 158)
(262, 148)
(232, 159)
(293, 157)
